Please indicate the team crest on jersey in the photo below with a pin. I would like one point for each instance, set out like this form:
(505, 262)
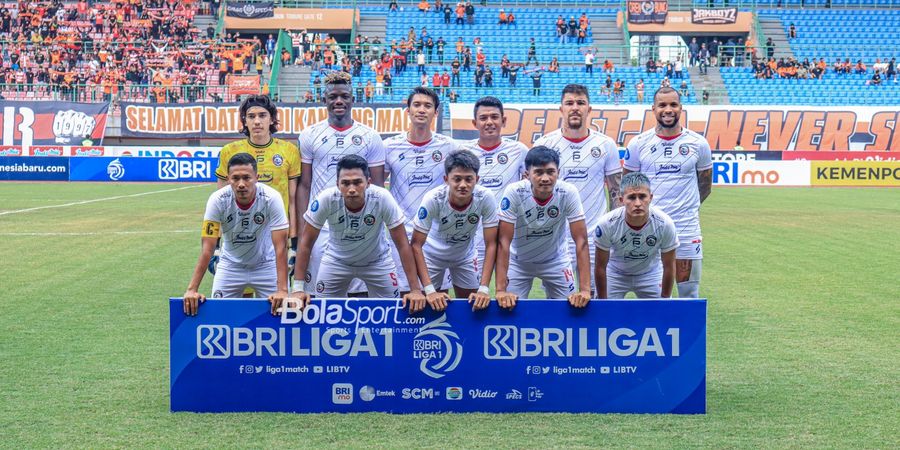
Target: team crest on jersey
(369, 220)
(356, 139)
(278, 160)
(315, 206)
(504, 204)
(320, 287)
(308, 276)
(423, 213)
(596, 152)
(217, 294)
(472, 218)
(437, 156)
(683, 149)
(502, 158)
(651, 240)
(259, 218)
(553, 212)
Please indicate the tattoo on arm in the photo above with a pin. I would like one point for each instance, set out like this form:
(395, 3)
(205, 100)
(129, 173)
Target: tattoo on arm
(704, 183)
(612, 184)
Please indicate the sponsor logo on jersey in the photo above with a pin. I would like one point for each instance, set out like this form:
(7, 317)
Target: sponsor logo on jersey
(668, 168)
(420, 179)
(504, 204)
(598, 232)
(423, 213)
(576, 173)
(315, 206)
(491, 182)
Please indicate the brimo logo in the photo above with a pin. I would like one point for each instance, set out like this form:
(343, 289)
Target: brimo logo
(511, 342)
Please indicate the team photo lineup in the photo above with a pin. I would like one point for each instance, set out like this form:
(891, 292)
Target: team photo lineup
(349, 236)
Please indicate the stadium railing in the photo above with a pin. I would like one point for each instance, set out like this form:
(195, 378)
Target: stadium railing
(674, 5)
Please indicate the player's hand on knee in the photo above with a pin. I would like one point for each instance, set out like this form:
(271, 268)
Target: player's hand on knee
(276, 300)
(192, 301)
(415, 300)
(507, 299)
(437, 300)
(479, 300)
(579, 299)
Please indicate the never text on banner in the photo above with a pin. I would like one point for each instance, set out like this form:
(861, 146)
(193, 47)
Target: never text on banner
(52, 123)
(103, 168)
(757, 128)
(28, 168)
(632, 356)
(855, 173)
(222, 120)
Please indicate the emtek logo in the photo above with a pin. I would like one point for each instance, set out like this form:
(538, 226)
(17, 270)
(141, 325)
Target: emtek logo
(342, 393)
(175, 169)
(213, 341)
(501, 342)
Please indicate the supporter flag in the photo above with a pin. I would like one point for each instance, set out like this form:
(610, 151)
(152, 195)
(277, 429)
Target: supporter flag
(53, 123)
(647, 11)
(250, 10)
(241, 85)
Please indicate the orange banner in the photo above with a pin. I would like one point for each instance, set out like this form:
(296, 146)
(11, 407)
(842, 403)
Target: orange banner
(243, 84)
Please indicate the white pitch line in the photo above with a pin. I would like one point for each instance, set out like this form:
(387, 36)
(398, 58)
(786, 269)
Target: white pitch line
(84, 202)
(99, 233)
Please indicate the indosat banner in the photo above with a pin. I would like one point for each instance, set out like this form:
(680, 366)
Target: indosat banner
(759, 129)
(348, 355)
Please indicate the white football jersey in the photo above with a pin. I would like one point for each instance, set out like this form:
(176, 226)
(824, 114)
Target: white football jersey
(585, 164)
(323, 146)
(450, 231)
(672, 165)
(635, 252)
(356, 238)
(246, 232)
(500, 166)
(541, 227)
(415, 169)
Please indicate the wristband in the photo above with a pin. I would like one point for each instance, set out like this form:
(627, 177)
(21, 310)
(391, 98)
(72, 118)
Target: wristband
(298, 286)
(430, 289)
(484, 290)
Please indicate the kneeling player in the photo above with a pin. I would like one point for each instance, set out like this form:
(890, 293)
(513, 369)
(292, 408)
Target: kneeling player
(630, 242)
(250, 218)
(532, 235)
(356, 213)
(455, 209)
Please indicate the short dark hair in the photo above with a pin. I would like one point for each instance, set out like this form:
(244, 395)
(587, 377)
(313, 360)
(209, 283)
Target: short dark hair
(350, 162)
(422, 90)
(666, 90)
(577, 89)
(242, 159)
(490, 102)
(541, 156)
(461, 159)
(262, 101)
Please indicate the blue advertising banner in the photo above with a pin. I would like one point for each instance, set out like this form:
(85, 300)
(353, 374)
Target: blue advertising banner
(630, 356)
(28, 168)
(143, 169)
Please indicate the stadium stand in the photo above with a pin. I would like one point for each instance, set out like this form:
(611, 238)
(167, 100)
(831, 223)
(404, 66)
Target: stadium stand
(868, 36)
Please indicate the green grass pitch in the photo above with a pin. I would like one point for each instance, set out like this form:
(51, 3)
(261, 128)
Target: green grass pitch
(803, 332)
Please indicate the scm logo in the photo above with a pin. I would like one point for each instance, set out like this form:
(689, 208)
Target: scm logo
(417, 393)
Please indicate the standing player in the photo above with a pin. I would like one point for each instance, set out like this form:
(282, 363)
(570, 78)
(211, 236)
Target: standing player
(585, 157)
(631, 241)
(502, 160)
(444, 228)
(357, 215)
(532, 235)
(678, 163)
(415, 160)
(277, 161)
(323, 145)
(250, 219)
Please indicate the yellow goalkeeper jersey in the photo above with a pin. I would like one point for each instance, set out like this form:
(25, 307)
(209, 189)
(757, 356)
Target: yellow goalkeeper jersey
(277, 163)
